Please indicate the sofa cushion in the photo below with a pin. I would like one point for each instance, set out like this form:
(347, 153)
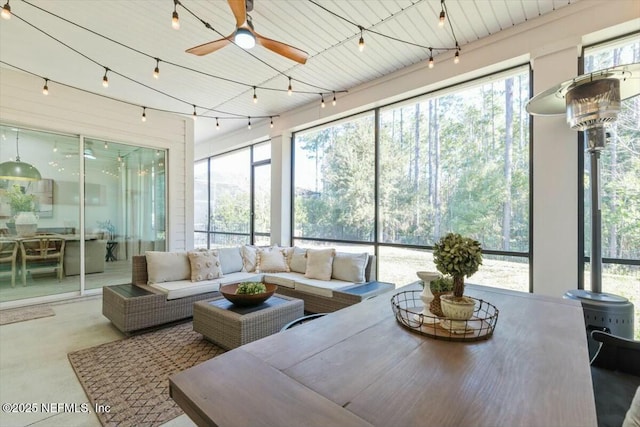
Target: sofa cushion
(230, 260)
(319, 263)
(271, 260)
(205, 265)
(186, 288)
(167, 266)
(240, 276)
(323, 288)
(249, 254)
(286, 280)
(349, 267)
(298, 260)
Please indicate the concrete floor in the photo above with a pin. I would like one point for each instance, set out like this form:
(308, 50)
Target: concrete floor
(34, 367)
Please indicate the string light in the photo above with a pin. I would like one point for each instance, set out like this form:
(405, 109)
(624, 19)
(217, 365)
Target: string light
(456, 58)
(55, 147)
(156, 71)
(255, 97)
(195, 115)
(144, 114)
(442, 15)
(322, 100)
(271, 122)
(431, 63)
(45, 88)
(361, 41)
(249, 123)
(175, 19)
(290, 89)
(6, 11)
(106, 145)
(217, 124)
(105, 79)
(334, 102)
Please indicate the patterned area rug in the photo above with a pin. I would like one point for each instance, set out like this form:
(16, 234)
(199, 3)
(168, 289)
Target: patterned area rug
(27, 313)
(132, 375)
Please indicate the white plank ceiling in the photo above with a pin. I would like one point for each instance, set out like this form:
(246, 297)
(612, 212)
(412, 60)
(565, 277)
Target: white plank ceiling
(212, 82)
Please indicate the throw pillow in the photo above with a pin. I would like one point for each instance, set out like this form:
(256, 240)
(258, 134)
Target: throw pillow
(205, 265)
(249, 254)
(167, 266)
(319, 263)
(271, 260)
(349, 267)
(230, 259)
(298, 260)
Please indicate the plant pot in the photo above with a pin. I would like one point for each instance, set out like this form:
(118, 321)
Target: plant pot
(435, 305)
(457, 308)
(26, 224)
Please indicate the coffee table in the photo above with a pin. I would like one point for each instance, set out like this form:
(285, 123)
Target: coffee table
(231, 326)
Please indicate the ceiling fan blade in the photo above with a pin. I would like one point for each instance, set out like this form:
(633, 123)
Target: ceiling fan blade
(207, 48)
(283, 49)
(239, 10)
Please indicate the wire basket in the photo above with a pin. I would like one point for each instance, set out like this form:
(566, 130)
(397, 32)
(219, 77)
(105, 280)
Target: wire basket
(407, 307)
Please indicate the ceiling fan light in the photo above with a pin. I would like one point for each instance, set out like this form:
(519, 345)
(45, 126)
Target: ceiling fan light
(244, 38)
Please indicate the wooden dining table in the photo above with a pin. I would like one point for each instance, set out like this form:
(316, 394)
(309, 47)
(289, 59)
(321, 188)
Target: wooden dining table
(359, 367)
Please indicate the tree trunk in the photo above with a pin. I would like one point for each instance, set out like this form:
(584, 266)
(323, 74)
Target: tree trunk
(416, 166)
(508, 144)
(458, 286)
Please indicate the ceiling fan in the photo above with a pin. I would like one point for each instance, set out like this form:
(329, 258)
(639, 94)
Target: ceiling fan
(246, 37)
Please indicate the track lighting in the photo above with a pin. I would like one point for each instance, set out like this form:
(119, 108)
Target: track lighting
(6, 11)
(156, 71)
(271, 122)
(334, 102)
(361, 41)
(322, 100)
(45, 88)
(431, 63)
(105, 79)
(195, 115)
(249, 123)
(175, 19)
(217, 124)
(144, 114)
(255, 97)
(289, 89)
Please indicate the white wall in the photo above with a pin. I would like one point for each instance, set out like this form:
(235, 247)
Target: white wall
(73, 112)
(552, 44)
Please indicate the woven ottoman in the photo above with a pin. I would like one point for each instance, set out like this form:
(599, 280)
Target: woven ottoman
(230, 326)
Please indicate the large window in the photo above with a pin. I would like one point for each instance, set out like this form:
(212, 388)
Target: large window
(620, 185)
(453, 161)
(232, 194)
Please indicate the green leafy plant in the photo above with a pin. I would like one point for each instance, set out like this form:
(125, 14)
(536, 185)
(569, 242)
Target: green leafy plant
(251, 288)
(442, 284)
(458, 256)
(19, 201)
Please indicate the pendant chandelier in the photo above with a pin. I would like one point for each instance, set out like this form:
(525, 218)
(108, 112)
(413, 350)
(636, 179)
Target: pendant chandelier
(19, 170)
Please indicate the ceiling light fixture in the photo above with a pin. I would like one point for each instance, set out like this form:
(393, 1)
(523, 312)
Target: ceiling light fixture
(334, 102)
(322, 100)
(6, 11)
(105, 79)
(249, 123)
(19, 170)
(456, 58)
(106, 145)
(361, 41)
(255, 97)
(144, 114)
(271, 122)
(45, 88)
(217, 124)
(290, 88)
(175, 19)
(431, 63)
(442, 15)
(195, 115)
(156, 71)
(243, 37)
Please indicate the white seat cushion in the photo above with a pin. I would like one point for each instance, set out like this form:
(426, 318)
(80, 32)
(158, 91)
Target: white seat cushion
(240, 277)
(286, 280)
(323, 288)
(186, 288)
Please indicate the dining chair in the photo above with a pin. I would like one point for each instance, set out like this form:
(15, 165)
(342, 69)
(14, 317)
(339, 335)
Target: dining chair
(9, 255)
(43, 251)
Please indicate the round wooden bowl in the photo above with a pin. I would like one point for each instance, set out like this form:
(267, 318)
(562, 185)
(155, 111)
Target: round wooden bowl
(244, 300)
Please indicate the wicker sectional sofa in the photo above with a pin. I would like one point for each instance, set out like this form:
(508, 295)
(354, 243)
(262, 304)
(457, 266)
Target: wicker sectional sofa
(149, 302)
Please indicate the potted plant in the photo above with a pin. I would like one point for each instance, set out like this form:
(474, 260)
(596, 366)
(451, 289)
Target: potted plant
(443, 285)
(23, 218)
(459, 257)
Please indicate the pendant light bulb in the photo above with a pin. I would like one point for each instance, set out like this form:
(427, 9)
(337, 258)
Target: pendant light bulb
(144, 114)
(255, 97)
(321, 100)
(271, 122)
(45, 88)
(105, 79)
(441, 20)
(456, 58)
(431, 63)
(217, 124)
(290, 89)
(195, 115)
(6, 11)
(156, 71)
(249, 123)
(175, 19)
(361, 41)
(334, 102)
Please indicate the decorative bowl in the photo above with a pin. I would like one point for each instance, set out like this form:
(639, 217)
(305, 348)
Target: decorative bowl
(246, 300)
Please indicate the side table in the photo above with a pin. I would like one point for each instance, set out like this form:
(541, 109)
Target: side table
(230, 326)
(111, 250)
